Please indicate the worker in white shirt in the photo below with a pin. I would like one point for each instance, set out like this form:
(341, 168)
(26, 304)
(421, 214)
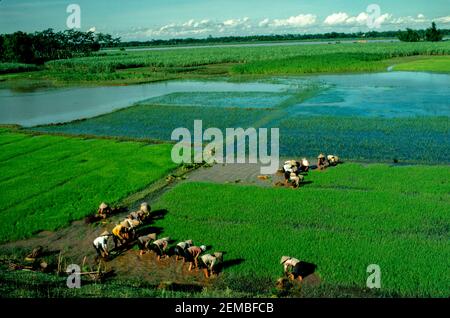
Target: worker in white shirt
(101, 244)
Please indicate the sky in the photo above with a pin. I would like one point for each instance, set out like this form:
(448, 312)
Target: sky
(164, 19)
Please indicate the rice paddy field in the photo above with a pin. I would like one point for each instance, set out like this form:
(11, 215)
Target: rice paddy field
(48, 181)
(345, 219)
(388, 204)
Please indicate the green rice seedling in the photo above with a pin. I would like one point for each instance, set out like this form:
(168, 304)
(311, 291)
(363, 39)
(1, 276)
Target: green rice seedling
(48, 181)
(347, 218)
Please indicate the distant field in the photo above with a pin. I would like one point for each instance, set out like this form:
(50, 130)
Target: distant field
(347, 218)
(48, 181)
(148, 66)
(440, 64)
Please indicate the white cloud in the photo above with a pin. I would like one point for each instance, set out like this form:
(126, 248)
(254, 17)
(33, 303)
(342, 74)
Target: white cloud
(343, 19)
(264, 23)
(300, 20)
(301, 23)
(336, 18)
(443, 19)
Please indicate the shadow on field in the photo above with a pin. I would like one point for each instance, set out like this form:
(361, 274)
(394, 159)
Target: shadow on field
(304, 269)
(229, 263)
(158, 214)
(147, 230)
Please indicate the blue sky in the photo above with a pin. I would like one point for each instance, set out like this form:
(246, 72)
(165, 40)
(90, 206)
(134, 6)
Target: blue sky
(162, 19)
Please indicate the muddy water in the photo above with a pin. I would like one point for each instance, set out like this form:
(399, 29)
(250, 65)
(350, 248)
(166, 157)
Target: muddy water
(148, 268)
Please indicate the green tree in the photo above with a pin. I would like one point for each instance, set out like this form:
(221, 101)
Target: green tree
(433, 34)
(409, 36)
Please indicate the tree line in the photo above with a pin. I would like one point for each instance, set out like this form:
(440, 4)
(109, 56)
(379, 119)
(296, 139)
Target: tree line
(293, 37)
(39, 47)
(431, 34)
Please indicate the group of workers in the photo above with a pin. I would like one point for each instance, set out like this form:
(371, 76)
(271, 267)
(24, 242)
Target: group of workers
(324, 162)
(122, 232)
(125, 231)
(293, 169)
(184, 250)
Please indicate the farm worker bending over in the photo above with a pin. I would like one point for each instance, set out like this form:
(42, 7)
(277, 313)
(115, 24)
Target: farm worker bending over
(301, 270)
(103, 210)
(288, 263)
(145, 241)
(304, 165)
(295, 179)
(211, 262)
(333, 160)
(290, 166)
(159, 246)
(119, 234)
(192, 254)
(180, 249)
(136, 215)
(145, 210)
(101, 244)
(322, 163)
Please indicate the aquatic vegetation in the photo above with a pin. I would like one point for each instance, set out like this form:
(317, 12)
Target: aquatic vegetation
(222, 99)
(158, 121)
(416, 139)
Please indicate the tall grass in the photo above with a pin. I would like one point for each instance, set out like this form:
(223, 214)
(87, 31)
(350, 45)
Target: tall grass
(6, 68)
(206, 56)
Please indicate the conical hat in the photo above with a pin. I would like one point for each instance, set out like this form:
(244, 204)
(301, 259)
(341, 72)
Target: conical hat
(103, 205)
(284, 259)
(144, 207)
(104, 233)
(321, 156)
(305, 162)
